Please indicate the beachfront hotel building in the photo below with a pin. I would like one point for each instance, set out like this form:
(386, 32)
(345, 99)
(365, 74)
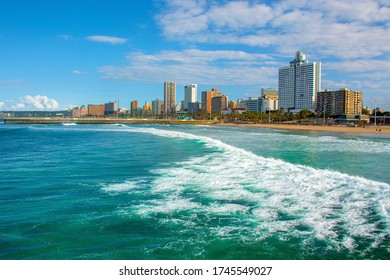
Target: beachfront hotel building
(190, 95)
(340, 102)
(169, 97)
(299, 83)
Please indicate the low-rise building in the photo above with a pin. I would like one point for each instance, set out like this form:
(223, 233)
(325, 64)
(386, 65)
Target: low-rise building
(269, 102)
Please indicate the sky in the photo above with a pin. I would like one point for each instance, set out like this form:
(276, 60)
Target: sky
(59, 54)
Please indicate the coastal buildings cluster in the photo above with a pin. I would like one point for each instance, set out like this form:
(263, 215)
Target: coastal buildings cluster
(299, 88)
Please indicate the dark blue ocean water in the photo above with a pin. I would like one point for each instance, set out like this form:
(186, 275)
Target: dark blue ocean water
(192, 192)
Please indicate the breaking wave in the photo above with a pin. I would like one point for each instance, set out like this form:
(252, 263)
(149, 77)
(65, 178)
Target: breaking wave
(236, 193)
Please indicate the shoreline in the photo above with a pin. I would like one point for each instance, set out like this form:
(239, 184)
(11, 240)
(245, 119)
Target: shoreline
(281, 126)
(318, 128)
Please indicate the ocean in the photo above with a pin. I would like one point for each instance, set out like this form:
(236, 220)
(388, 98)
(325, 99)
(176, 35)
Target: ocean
(161, 192)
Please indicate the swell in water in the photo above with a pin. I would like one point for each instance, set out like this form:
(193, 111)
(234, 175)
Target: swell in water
(230, 193)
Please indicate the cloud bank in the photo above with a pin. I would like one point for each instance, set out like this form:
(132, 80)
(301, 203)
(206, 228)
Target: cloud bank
(31, 103)
(204, 67)
(39, 102)
(339, 28)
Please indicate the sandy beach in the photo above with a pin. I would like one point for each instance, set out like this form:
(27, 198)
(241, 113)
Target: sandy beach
(325, 128)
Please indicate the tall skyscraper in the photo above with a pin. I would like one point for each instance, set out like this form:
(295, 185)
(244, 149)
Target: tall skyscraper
(169, 97)
(190, 95)
(299, 83)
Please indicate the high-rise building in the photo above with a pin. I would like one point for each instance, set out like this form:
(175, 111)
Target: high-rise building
(299, 83)
(190, 95)
(110, 108)
(206, 99)
(157, 107)
(219, 103)
(133, 106)
(340, 102)
(169, 97)
(96, 110)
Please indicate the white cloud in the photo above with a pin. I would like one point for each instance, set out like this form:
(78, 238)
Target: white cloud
(1, 104)
(362, 66)
(193, 65)
(340, 28)
(238, 15)
(38, 102)
(107, 39)
(78, 72)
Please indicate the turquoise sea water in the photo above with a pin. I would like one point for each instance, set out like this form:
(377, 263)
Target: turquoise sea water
(192, 192)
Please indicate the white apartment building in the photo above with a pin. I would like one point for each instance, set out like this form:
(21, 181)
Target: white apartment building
(299, 83)
(190, 95)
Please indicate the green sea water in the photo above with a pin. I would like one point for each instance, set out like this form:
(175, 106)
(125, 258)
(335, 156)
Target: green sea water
(192, 192)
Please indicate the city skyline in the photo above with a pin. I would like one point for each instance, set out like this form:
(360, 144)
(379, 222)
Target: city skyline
(57, 56)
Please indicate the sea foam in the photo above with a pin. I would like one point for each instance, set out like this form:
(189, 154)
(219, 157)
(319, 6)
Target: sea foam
(269, 196)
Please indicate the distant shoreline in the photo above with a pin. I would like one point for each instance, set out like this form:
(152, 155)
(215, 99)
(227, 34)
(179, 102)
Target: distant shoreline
(102, 121)
(298, 127)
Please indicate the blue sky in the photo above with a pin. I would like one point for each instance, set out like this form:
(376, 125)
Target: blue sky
(55, 54)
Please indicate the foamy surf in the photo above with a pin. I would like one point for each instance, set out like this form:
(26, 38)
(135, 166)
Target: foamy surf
(267, 197)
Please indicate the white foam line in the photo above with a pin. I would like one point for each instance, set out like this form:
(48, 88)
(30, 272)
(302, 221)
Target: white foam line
(320, 199)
